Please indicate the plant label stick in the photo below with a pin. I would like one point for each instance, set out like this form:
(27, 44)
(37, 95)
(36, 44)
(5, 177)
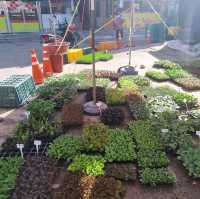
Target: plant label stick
(27, 114)
(37, 143)
(164, 130)
(198, 134)
(20, 147)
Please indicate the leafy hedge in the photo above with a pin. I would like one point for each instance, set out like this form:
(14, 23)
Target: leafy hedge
(115, 96)
(157, 75)
(120, 146)
(65, 147)
(157, 176)
(9, 170)
(95, 137)
(90, 165)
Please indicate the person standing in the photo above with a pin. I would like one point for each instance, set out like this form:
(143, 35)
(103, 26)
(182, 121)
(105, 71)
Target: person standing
(118, 26)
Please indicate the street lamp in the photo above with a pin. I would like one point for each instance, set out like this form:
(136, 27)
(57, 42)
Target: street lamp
(93, 107)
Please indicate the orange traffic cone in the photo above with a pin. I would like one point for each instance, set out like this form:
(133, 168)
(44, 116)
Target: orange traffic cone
(36, 71)
(47, 67)
(148, 37)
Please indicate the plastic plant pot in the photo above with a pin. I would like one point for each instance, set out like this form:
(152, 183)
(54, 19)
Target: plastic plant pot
(53, 48)
(57, 63)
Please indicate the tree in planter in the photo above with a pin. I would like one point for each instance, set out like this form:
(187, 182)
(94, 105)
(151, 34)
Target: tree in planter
(112, 116)
(95, 137)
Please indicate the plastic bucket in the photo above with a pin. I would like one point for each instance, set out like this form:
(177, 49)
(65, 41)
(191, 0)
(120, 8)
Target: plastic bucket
(57, 63)
(52, 48)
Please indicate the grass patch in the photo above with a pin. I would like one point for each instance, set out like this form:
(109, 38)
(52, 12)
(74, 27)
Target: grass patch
(25, 27)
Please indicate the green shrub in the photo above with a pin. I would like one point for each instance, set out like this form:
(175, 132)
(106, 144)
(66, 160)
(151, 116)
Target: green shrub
(166, 64)
(157, 176)
(9, 170)
(90, 165)
(191, 161)
(65, 147)
(133, 82)
(182, 98)
(41, 109)
(99, 56)
(177, 73)
(95, 137)
(120, 146)
(22, 134)
(115, 96)
(138, 109)
(145, 135)
(188, 83)
(152, 159)
(157, 75)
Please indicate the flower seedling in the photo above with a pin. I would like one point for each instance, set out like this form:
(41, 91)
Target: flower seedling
(20, 147)
(37, 143)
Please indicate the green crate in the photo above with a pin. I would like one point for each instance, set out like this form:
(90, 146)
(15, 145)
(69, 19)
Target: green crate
(15, 90)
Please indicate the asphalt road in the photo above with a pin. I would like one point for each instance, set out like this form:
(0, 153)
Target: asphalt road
(15, 50)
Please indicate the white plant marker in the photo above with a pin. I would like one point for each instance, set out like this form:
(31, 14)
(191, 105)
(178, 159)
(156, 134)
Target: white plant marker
(20, 147)
(27, 114)
(198, 134)
(37, 143)
(164, 130)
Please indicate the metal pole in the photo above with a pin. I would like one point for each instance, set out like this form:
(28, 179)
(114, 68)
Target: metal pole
(131, 33)
(92, 3)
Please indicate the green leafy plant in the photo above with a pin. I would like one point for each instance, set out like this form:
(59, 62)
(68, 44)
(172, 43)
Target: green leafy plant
(95, 137)
(157, 75)
(152, 159)
(157, 176)
(145, 135)
(182, 98)
(115, 96)
(174, 73)
(40, 109)
(9, 170)
(188, 83)
(22, 134)
(133, 82)
(120, 146)
(65, 147)
(138, 109)
(90, 165)
(191, 161)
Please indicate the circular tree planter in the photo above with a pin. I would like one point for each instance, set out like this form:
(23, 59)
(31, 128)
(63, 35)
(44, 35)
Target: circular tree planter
(93, 109)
